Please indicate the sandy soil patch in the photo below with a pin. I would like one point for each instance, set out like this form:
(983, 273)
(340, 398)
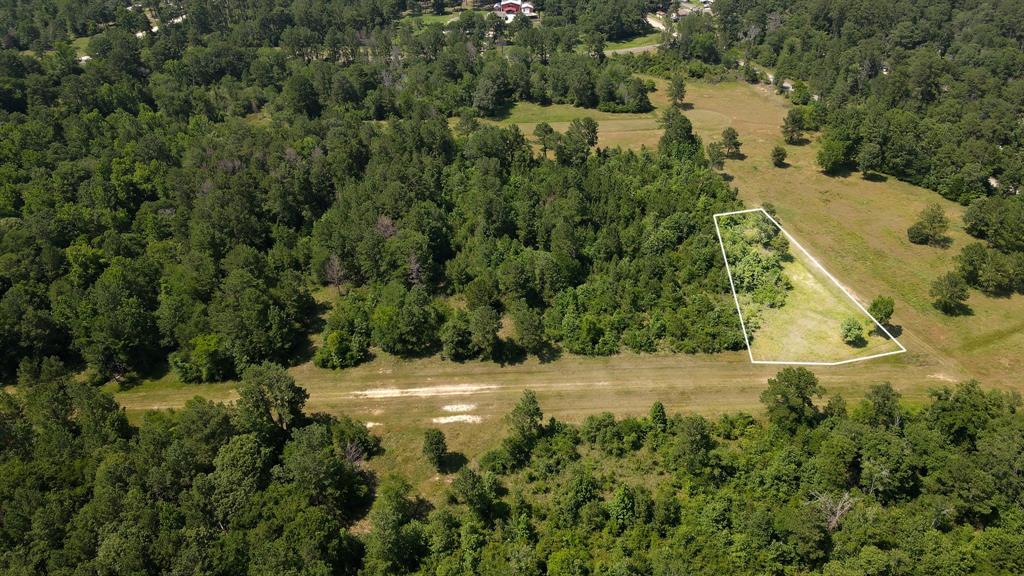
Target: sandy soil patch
(465, 418)
(425, 392)
(459, 407)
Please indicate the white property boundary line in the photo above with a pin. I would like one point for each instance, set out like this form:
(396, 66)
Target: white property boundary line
(793, 240)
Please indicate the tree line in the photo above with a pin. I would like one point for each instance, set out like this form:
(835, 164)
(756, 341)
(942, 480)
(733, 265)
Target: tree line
(262, 486)
(928, 92)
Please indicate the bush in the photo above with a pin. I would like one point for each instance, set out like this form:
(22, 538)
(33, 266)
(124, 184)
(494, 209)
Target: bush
(949, 292)
(205, 361)
(434, 447)
(832, 155)
(852, 332)
(779, 156)
(931, 226)
(342, 349)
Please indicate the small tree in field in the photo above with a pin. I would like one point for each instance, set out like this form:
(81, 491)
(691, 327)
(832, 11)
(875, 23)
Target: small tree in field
(931, 226)
(657, 416)
(852, 331)
(882, 308)
(779, 156)
(716, 155)
(949, 292)
(677, 89)
(545, 136)
(434, 447)
(731, 141)
(793, 126)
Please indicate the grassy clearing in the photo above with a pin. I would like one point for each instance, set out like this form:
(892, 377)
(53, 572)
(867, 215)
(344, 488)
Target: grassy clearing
(651, 39)
(806, 328)
(81, 45)
(856, 228)
(569, 388)
(430, 18)
(626, 130)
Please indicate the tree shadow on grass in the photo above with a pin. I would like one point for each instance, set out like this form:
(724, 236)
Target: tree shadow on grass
(875, 177)
(859, 342)
(895, 329)
(960, 309)
(509, 352)
(549, 354)
(502, 111)
(842, 172)
(452, 462)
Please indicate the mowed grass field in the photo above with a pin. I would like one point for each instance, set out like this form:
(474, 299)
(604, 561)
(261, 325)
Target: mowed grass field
(806, 329)
(857, 229)
(400, 398)
(854, 227)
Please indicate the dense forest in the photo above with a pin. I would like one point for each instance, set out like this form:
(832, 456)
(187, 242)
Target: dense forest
(262, 487)
(187, 185)
(179, 195)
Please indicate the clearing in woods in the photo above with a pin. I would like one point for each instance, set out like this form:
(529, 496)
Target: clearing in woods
(857, 227)
(806, 329)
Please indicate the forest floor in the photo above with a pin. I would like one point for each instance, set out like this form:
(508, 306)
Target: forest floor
(855, 227)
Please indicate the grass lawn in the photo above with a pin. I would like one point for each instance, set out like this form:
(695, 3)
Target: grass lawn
(645, 40)
(81, 45)
(806, 328)
(431, 18)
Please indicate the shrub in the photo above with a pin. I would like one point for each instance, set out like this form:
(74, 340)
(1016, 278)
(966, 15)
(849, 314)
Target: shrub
(882, 309)
(931, 226)
(434, 447)
(779, 156)
(852, 331)
(949, 292)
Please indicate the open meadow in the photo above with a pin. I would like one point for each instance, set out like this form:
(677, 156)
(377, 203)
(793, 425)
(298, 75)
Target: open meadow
(807, 327)
(855, 227)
